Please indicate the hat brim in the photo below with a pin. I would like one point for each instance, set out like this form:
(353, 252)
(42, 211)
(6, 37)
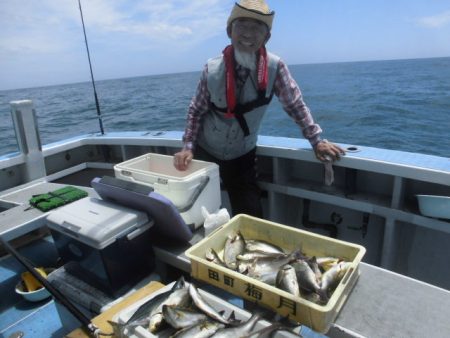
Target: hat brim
(242, 12)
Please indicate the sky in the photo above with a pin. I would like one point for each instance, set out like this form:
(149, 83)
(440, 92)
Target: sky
(42, 42)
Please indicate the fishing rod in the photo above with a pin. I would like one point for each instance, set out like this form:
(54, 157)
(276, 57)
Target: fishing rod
(99, 115)
(93, 330)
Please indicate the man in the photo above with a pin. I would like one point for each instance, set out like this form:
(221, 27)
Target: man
(234, 91)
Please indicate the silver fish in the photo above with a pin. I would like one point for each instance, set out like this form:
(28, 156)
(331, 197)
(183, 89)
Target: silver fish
(166, 332)
(234, 246)
(266, 269)
(262, 246)
(178, 297)
(203, 305)
(306, 277)
(140, 316)
(212, 256)
(270, 330)
(287, 280)
(327, 263)
(245, 260)
(239, 330)
(252, 255)
(312, 297)
(201, 330)
(243, 266)
(332, 277)
(315, 267)
(124, 330)
(180, 318)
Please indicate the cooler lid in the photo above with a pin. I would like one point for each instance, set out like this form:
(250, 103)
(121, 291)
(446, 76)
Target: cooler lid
(167, 218)
(96, 222)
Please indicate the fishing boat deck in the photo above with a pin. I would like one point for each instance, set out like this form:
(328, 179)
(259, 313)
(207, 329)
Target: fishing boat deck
(381, 304)
(19, 315)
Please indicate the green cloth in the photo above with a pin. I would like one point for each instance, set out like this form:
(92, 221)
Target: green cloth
(57, 198)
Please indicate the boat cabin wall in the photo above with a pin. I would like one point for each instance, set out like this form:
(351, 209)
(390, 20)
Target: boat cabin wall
(423, 254)
(132, 151)
(12, 176)
(349, 183)
(330, 220)
(69, 154)
(71, 157)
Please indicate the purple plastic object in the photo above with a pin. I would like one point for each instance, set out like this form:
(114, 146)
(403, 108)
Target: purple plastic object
(168, 220)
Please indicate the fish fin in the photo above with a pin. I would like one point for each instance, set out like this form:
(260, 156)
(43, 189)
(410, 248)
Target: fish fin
(313, 260)
(218, 256)
(179, 284)
(232, 321)
(297, 255)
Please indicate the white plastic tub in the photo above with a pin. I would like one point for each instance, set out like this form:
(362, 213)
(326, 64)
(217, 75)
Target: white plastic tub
(36, 295)
(434, 206)
(188, 190)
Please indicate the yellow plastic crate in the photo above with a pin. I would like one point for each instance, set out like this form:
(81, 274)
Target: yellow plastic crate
(318, 317)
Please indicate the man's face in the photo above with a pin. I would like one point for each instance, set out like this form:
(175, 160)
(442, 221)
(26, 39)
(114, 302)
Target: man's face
(248, 35)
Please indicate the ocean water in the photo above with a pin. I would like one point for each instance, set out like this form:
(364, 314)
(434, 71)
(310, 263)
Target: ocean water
(399, 104)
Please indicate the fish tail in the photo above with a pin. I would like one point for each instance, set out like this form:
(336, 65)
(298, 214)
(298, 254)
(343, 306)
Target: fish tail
(117, 328)
(323, 294)
(180, 283)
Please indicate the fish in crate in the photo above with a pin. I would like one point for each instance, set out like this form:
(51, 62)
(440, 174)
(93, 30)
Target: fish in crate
(313, 278)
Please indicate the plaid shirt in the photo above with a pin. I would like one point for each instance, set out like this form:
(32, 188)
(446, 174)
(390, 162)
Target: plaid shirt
(285, 88)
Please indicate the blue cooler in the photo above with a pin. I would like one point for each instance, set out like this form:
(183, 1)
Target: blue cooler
(106, 244)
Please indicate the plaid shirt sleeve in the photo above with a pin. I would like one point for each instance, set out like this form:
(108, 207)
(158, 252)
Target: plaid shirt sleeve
(290, 96)
(199, 105)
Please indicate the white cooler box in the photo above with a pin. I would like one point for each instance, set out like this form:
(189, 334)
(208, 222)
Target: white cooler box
(102, 243)
(188, 190)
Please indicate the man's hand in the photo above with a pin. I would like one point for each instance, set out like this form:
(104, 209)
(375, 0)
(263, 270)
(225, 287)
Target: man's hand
(182, 159)
(328, 152)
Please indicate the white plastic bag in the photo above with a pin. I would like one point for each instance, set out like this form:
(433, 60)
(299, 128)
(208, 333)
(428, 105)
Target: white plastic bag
(214, 220)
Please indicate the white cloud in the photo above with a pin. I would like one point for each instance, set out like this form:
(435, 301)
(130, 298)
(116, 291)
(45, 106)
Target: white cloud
(41, 40)
(51, 25)
(435, 21)
(156, 21)
(34, 27)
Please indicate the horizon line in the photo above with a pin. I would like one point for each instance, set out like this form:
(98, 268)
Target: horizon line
(194, 71)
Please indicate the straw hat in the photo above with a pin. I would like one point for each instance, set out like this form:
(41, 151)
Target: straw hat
(252, 9)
